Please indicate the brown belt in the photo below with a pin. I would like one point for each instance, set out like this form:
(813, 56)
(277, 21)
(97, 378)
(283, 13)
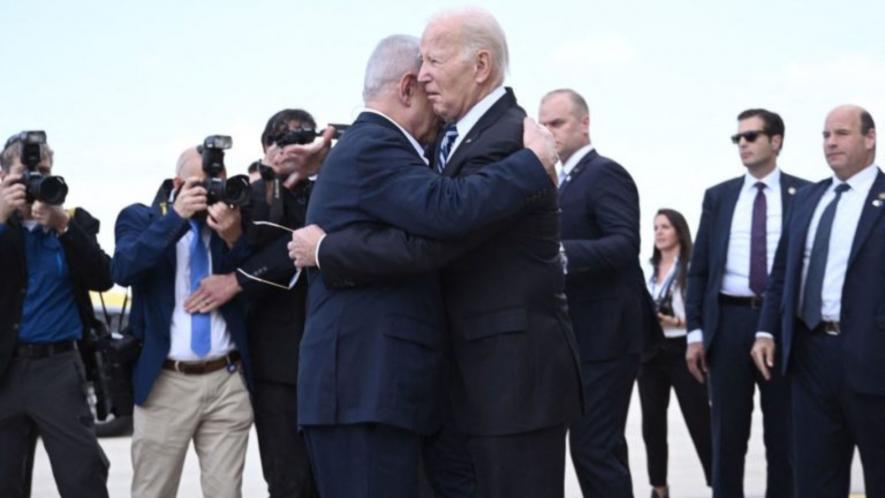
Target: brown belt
(202, 367)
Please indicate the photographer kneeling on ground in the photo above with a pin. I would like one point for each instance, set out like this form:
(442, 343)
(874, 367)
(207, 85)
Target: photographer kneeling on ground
(188, 380)
(50, 259)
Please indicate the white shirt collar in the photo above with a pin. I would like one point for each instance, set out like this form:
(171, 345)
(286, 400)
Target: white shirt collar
(466, 123)
(575, 158)
(862, 181)
(418, 148)
(772, 180)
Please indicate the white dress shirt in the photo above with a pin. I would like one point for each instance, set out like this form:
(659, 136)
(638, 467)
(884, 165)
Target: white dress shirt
(180, 328)
(736, 279)
(845, 222)
(564, 171)
(466, 123)
(657, 289)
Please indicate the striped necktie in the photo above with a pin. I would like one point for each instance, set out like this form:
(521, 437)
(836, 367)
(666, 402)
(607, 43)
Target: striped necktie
(451, 133)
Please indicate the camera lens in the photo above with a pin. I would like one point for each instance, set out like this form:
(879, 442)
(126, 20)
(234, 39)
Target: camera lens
(52, 190)
(237, 190)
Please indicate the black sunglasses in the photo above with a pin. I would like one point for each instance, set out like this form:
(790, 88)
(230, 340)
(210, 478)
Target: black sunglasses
(750, 136)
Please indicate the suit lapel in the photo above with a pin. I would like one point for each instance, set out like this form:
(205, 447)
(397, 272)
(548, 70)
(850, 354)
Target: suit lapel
(872, 209)
(788, 190)
(456, 161)
(803, 218)
(723, 221)
(579, 168)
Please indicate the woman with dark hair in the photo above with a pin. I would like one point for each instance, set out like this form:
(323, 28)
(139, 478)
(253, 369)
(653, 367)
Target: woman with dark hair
(666, 367)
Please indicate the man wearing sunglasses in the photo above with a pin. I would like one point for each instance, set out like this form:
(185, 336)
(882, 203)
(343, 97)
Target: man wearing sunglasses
(738, 233)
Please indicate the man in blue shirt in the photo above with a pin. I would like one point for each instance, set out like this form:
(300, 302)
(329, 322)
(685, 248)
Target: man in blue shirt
(49, 259)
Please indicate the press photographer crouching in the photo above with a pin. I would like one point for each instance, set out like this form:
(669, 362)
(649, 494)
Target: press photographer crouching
(50, 259)
(191, 376)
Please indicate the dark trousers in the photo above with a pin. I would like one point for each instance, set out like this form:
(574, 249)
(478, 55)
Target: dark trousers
(733, 378)
(830, 419)
(47, 396)
(529, 464)
(284, 460)
(364, 460)
(596, 440)
(657, 375)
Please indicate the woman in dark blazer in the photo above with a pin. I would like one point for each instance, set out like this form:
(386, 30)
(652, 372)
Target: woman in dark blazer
(666, 367)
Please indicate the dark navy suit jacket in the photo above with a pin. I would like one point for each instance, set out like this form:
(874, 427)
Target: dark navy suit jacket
(377, 353)
(711, 250)
(607, 298)
(515, 366)
(144, 258)
(862, 317)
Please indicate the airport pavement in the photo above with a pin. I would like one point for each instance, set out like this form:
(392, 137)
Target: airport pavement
(686, 477)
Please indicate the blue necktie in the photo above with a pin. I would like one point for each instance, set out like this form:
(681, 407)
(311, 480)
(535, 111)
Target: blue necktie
(817, 263)
(451, 133)
(201, 328)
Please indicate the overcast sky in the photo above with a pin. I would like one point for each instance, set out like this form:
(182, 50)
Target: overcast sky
(123, 87)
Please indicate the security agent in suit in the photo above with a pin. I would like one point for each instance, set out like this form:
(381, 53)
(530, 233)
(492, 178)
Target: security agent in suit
(740, 226)
(276, 306)
(49, 259)
(189, 382)
(824, 308)
(514, 380)
(608, 303)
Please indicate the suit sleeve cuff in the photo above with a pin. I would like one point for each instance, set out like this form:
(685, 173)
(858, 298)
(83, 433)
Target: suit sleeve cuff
(2, 228)
(695, 336)
(316, 254)
(762, 334)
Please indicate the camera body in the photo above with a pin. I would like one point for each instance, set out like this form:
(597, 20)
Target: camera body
(236, 190)
(664, 305)
(304, 136)
(39, 187)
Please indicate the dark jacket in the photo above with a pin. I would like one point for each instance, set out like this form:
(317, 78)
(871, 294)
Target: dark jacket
(89, 269)
(607, 296)
(514, 365)
(144, 259)
(862, 319)
(377, 353)
(275, 317)
(711, 251)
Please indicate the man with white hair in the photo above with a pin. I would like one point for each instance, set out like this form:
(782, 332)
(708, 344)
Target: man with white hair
(373, 358)
(515, 382)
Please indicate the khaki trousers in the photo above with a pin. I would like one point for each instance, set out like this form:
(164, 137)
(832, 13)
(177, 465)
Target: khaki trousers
(214, 411)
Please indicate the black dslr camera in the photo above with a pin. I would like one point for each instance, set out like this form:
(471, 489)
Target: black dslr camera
(236, 190)
(299, 136)
(304, 136)
(39, 187)
(664, 305)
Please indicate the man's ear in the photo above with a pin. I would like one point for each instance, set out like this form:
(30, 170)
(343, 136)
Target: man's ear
(177, 183)
(407, 88)
(777, 142)
(482, 66)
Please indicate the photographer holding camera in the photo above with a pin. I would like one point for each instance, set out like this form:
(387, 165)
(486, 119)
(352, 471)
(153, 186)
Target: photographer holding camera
(276, 303)
(50, 259)
(191, 376)
(666, 368)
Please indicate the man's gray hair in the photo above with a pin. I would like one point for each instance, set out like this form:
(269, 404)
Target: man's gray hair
(393, 57)
(480, 31)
